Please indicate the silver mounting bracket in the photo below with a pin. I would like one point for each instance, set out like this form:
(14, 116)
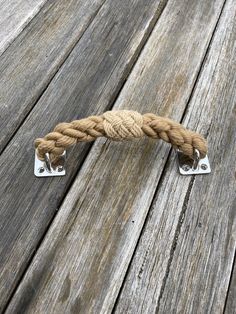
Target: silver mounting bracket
(188, 166)
(44, 168)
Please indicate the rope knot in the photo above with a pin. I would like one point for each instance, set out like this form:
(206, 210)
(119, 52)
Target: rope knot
(123, 124)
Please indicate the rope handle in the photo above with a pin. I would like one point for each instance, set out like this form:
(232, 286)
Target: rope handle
(120, 125)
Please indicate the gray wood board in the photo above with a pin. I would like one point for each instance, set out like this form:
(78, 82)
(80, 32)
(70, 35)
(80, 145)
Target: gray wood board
(86, 84)
(14, 16)
(29, 64)
(230, 306)
(80, 266)
(184, 258)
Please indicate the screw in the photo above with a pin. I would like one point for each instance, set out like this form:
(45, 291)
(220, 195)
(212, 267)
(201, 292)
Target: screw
(60, 168)
(186, 167)
(204, 167)
(41, 170)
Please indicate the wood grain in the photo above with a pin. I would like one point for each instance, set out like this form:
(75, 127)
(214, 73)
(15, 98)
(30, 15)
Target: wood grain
(184, 258)
(86, 84)
(230, 306)
(14, 16)
(29, 64)
(80, 266)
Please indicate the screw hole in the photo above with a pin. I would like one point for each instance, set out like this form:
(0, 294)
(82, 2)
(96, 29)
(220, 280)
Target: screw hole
(186, 167)
(41, 170)
(204, 167)
(60, 168)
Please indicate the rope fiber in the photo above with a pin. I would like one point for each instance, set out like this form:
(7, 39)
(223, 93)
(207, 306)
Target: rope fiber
(120, 125)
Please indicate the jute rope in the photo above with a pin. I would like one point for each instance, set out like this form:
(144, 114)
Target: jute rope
(120, 125)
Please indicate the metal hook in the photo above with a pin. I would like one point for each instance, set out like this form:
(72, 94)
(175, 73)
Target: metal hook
(48, 162)
(196, 159)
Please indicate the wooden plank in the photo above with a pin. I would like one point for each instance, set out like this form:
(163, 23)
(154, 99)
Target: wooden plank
(184, 258)
(14, 16)
(87, 83)
(80, 265)
(29, 64)
(230, 306)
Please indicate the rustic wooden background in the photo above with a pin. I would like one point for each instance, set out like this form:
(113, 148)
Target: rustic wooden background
(122, 232)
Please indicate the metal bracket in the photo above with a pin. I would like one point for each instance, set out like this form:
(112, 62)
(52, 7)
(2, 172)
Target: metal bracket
(46, 169)
(187, 166)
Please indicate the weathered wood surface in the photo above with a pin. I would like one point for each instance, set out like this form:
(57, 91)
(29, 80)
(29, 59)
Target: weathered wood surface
(80, 266)
(184, 258)
(230, 306)
(29, 64)
(87, 83)
(14, 16)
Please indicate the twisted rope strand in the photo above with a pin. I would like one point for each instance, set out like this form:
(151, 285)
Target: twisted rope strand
(120, 125)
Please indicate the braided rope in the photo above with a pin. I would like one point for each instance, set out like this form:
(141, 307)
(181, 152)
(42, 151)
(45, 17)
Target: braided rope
(120, 125)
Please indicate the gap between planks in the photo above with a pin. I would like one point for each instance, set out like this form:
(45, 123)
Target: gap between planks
(230, 304)
(14, 17)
